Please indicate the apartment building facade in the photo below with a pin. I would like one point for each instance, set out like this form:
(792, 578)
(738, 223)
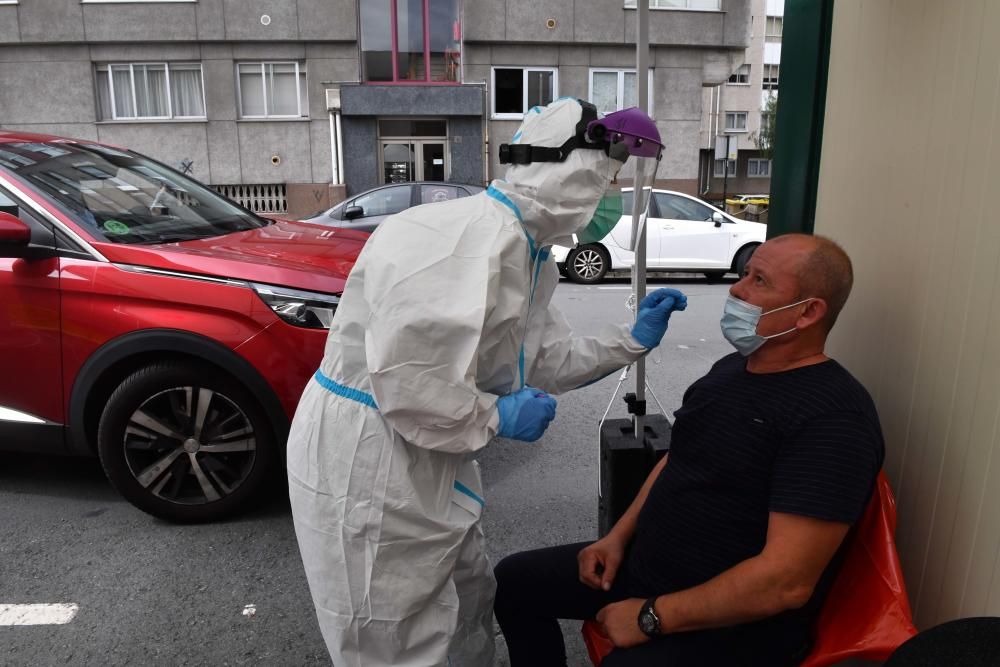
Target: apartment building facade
(738, 109)
(289, 105)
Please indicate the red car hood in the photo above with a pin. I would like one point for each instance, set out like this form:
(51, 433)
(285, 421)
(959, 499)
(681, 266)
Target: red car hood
(292, 254)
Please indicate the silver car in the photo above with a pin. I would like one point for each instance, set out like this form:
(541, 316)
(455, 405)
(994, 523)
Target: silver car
(365, 211)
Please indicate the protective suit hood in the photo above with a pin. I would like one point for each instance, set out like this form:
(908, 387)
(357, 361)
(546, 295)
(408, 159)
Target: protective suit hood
(556, 199)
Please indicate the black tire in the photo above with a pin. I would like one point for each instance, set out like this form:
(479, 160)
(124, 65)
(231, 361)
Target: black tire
(714, 275)
(587, 264)
(147, 443)
(742, 257)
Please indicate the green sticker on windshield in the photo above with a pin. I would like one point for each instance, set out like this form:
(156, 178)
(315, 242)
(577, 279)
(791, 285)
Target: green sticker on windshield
(115, 227)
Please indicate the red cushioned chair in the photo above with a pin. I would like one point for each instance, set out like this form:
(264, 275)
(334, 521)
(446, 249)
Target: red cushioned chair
(866, 613)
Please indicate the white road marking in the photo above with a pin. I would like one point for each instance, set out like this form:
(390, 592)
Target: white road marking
(37, 614)
(617, 287)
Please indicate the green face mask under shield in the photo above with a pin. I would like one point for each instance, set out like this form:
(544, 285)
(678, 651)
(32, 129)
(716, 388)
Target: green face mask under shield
(608, 213)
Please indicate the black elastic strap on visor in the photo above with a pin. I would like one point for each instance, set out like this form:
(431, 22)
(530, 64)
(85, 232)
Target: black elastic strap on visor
(526, 153)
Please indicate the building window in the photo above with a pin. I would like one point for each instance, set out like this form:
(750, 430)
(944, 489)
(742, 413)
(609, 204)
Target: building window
(517, 89)
(758, 168)
(272, 90)
(411, 41)
(718, 168)
(736, 121)
(705, 5)
(770, 81)
(740, 77)
(150, 91)
(616, 89)
(773, 26)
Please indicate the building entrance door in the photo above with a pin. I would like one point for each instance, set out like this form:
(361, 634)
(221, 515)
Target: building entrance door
(413, 150)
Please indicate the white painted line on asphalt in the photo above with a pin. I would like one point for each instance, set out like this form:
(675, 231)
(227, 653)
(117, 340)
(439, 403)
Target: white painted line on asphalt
(617, 287)
(37, 614)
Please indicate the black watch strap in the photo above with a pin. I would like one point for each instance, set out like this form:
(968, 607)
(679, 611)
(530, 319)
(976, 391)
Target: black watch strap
(649, 622)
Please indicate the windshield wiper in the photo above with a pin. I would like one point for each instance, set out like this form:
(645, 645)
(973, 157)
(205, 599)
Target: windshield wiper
(171, 238)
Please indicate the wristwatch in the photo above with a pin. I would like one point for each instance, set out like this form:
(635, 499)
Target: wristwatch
(649, 622)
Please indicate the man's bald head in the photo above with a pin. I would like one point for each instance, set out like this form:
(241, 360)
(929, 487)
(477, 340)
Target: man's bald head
(823, 270)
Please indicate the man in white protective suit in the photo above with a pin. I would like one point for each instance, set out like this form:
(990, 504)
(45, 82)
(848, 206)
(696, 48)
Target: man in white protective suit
(443, 339)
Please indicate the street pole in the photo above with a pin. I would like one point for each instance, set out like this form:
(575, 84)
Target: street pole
(639, 233)
(725, 173)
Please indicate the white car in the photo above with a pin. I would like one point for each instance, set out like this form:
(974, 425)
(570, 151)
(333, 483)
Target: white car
(683, 233)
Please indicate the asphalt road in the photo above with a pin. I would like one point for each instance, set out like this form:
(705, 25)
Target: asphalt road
(157, 594)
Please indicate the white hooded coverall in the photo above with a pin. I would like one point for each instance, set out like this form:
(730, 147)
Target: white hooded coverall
(446, 309)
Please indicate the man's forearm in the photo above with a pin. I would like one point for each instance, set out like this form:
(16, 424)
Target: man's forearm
(624, 528)
(750, 591)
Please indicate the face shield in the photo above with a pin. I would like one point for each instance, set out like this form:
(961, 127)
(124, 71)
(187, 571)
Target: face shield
(630, 138)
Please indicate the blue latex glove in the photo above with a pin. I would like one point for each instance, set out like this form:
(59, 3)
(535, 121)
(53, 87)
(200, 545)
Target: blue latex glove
(654, 312)
(525, 414)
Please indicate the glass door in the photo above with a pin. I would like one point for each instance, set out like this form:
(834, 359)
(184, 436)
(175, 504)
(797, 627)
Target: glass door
(432, 164)
(398, 162)
(413, 149)
(405, 161)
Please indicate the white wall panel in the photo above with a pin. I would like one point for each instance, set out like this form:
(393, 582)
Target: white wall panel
(908, 185)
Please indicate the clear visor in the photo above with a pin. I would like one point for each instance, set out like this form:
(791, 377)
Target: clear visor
(639, 173)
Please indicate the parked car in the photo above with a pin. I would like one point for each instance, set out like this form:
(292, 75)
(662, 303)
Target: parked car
(148, 320)
(365, 211)
(682, 234)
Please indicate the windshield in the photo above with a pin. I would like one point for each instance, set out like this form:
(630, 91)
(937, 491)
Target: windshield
(124, 197)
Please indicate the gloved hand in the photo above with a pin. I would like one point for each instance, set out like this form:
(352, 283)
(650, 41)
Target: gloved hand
(525, 414)
(654, 312)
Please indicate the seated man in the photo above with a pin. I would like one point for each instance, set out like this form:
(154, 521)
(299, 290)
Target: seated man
(726, 554)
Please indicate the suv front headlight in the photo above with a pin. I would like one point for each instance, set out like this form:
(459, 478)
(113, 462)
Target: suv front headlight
(312, 310)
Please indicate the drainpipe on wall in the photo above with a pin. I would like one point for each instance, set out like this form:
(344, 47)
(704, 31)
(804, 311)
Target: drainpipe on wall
(336, 137)
(486, 136)
(340, 149)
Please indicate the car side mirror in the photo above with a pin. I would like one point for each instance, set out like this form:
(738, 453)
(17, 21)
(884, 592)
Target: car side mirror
(13, 232)
(718, 219)
(15, 240)
(352, 212)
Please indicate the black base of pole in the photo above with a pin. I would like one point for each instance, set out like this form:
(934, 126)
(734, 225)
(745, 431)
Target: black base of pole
(626, 462)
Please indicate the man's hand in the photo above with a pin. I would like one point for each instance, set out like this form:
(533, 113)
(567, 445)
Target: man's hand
(619, 622)
(599, 562)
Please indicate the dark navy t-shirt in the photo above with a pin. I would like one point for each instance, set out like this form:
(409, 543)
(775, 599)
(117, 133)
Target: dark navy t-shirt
(805, 441)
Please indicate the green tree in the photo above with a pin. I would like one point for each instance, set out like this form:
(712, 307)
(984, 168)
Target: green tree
(764, 139)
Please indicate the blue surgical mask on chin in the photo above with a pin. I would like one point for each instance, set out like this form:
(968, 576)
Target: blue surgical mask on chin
(739, 324)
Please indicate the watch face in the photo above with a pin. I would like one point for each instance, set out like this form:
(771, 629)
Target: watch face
(647, 623)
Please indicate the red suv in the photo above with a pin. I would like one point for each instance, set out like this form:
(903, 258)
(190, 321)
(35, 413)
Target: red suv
(147, 319)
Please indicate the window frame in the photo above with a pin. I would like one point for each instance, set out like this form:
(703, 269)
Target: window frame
(737, 114)
(768, 67)
(758, 161)
(524, 89)
(717, 173)
(300, 71)
(167, 66)
(770, 21)
(632, 4)
(738, 73)
(620, 93)
(394, 51)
